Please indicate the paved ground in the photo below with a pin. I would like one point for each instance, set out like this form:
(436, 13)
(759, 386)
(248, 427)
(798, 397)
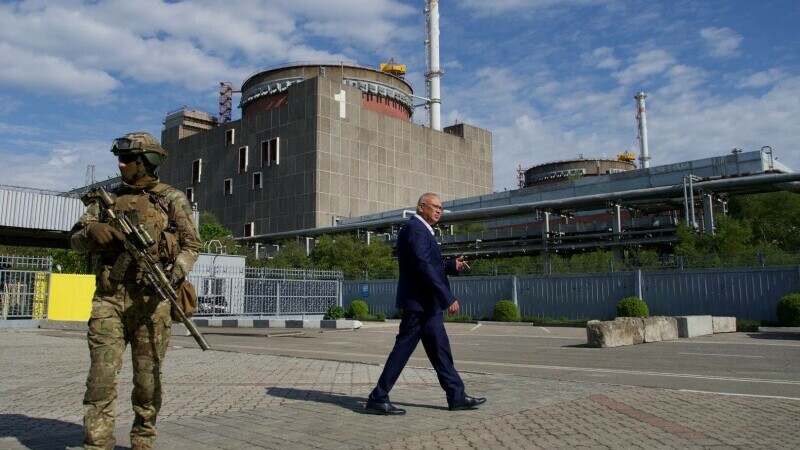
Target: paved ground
(239, 396)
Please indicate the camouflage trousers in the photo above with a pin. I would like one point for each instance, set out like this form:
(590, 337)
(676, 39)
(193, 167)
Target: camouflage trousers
(130, 315)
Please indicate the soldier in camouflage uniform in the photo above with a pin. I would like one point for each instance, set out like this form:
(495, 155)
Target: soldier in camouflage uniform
(124, 308)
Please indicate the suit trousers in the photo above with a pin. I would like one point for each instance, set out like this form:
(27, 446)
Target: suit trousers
(429, 328)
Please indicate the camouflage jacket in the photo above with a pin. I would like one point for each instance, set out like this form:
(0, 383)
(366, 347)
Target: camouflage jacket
(167, 216)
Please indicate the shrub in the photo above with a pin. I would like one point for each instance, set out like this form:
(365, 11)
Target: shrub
(380, 316)
(505, 311)
(632, 307)
(334, 313)
(789, 310)
(359, 309)
(398, 314)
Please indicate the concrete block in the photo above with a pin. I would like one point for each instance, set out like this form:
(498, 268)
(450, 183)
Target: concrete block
(615, 333)
(723, 324)
(660, 328)
(691, 326)
(293, 324)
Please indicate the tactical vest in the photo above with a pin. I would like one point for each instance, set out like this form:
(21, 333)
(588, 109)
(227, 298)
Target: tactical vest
(152, 211)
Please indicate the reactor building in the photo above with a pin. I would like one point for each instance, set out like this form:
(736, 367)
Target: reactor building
(317, 143)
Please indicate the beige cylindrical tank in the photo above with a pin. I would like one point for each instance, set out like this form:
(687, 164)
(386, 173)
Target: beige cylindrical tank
(380, 91)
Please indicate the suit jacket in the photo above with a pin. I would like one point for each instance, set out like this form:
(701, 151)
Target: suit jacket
(423, 284)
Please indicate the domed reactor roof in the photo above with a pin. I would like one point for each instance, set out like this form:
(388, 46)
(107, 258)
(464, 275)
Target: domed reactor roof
(381, 91)
(560, 171)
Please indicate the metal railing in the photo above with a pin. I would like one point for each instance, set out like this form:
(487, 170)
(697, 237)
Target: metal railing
(24, 286)
(266, 292)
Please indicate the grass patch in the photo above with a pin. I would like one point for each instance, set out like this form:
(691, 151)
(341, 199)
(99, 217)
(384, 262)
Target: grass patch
(459, 318)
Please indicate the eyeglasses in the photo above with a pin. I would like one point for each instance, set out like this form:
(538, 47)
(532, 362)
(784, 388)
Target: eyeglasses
(128, 158)
(435, 207)
(125, 144)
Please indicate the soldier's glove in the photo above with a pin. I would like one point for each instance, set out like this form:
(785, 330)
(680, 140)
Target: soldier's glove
(103, 233)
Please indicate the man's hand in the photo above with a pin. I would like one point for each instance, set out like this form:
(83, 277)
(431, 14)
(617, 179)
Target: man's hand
(103, 233)
(453, 308)
(461, 263)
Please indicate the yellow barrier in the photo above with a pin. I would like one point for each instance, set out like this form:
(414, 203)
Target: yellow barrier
(70, 297)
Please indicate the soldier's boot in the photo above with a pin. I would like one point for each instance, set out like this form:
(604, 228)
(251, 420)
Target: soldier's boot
(142, 443)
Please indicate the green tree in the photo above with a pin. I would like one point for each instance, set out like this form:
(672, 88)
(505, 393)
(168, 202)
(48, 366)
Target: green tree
(291, 255)
(773, 218)
(68, 260)
(353, 257)
(212, 230)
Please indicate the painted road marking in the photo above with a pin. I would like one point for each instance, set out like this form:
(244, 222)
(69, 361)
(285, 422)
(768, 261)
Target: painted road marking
(475, 327)
(720, 354)
(382, 356)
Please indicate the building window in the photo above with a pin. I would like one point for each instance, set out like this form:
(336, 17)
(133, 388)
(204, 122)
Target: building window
(274, 152)
(243, 160)
(229, 136)
(249, 229)
(257, 180)
(270, 152)
(264, 153)
(228, 186)
(197, 170)
(190, 195)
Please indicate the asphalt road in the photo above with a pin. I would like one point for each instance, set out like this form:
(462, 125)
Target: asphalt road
(759, 364)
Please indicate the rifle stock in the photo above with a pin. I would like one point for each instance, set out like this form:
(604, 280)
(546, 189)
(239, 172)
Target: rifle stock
(136, 241)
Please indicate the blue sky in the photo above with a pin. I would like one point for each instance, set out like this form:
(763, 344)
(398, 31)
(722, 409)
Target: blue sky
(552, 79)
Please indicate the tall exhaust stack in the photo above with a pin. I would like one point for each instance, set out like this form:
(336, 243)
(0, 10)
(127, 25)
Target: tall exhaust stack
(641, 116)
(434, 73)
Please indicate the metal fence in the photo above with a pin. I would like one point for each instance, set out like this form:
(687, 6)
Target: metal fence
(647, 261)
(747, 293)
(24, 286)
(240, 291)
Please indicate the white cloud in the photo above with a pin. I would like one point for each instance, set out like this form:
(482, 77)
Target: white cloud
(67, 159)
(601, 58)
(495, 7)
(722, 41)
(762, 78)
(90, 49)
(45, 73)
(646, 64)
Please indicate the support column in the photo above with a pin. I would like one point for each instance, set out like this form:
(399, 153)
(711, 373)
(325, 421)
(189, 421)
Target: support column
(545, 237)
(616, 229)
(708, 213)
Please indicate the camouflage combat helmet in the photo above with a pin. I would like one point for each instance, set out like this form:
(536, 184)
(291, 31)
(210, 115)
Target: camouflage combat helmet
(140, 143)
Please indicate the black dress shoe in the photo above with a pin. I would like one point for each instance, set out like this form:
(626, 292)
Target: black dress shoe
(384, 409)
(467, 403)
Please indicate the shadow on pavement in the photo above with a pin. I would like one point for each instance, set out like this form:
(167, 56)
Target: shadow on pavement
(38, 433)
(775, 335)
(355, 404)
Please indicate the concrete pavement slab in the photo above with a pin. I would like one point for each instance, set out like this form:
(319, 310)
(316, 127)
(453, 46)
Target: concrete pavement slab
(228, 400)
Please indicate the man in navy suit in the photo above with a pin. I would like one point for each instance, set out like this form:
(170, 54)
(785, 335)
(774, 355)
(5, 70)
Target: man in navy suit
(423, 293)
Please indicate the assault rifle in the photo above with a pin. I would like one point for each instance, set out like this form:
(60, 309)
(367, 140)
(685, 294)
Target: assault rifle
(136, 241)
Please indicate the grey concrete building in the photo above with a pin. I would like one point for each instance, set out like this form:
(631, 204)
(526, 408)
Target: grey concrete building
(316, 143)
